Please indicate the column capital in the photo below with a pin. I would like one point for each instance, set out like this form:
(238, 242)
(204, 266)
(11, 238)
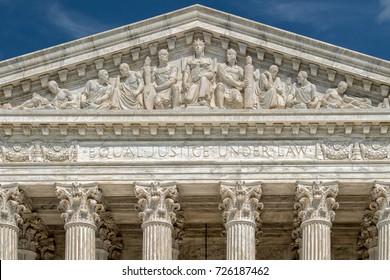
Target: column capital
(316, 201)
(79, 203)
(10, 207)
(368, 238)
(241, 202)
(107, 238)
(31, 232)
(178, 231)
(157, 202)
(381, 195)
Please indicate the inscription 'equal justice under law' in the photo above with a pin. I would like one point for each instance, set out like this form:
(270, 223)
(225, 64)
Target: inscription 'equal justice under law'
(200, 151)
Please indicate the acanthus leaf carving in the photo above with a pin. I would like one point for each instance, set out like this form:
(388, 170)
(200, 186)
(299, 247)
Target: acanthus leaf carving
(157, 203)
(107, 236)
(10, 207)
(241, 202)
(381, 195)
(79, 202)
(368, 237)
(31, 232)
(317, 201)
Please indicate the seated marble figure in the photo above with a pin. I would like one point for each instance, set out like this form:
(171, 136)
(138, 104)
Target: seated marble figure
(97, 92)
(198, 77)
(127, 90)
(269, 90)
(230, 83)
(304, 96)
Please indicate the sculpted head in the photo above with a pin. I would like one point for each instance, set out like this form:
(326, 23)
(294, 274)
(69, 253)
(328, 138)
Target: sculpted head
(302, 77)
(163, 56)
(198, 46)
(53, 86)
(231, 56)
(273, 69)
(103, 75)
(124, 69)
(342, 87)
(148, 61)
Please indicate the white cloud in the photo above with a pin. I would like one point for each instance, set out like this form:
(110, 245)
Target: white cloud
(384, 15)
(74, 23)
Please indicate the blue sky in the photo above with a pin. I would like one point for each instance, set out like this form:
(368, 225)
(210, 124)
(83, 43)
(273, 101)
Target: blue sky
(31, 25)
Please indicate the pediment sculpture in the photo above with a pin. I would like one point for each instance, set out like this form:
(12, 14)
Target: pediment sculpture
(202, 83)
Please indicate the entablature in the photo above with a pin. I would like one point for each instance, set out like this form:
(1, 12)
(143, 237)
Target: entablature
(196, 123)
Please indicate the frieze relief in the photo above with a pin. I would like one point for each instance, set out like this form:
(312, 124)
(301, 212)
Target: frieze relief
(37, 152)
(144, 151)
(196, 81)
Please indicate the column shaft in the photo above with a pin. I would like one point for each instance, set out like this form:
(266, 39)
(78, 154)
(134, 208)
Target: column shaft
(384, 240)
(241, 241)
(316, 240)
(80, 242)
(157, 241)
(9, 242)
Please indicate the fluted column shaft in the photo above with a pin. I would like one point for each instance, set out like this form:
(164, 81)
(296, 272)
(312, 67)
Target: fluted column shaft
(80, 241)
(157, 206)
(79, 204)
(381, 194)
(157, 241)
(384, 240)
(316, 240)
(316, 202)
(9, 242)
(241, 215)
(241, 240)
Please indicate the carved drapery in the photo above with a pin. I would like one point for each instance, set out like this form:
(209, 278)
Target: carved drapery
(157, 205)
(79, 204)
(381, 194)
(10, 210)
(315, 204)
(108, 242)
(241, 213)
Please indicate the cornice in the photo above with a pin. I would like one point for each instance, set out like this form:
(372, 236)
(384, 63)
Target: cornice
(190, 122)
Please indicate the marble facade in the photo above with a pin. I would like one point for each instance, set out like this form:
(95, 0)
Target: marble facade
(195, 135)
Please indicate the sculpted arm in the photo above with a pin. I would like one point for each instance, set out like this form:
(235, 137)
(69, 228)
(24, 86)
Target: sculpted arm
(186, 76)
(141, 84)
(314, 99)
(171, 80)
(227, 78)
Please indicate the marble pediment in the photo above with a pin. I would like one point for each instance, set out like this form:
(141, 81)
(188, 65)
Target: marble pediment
(75, 66)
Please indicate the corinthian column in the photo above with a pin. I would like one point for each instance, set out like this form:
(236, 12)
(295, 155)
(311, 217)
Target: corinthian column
(79, 204)
(381, 194)
(241, 216)
(9, 219)
(315, 209)
(157, 206)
